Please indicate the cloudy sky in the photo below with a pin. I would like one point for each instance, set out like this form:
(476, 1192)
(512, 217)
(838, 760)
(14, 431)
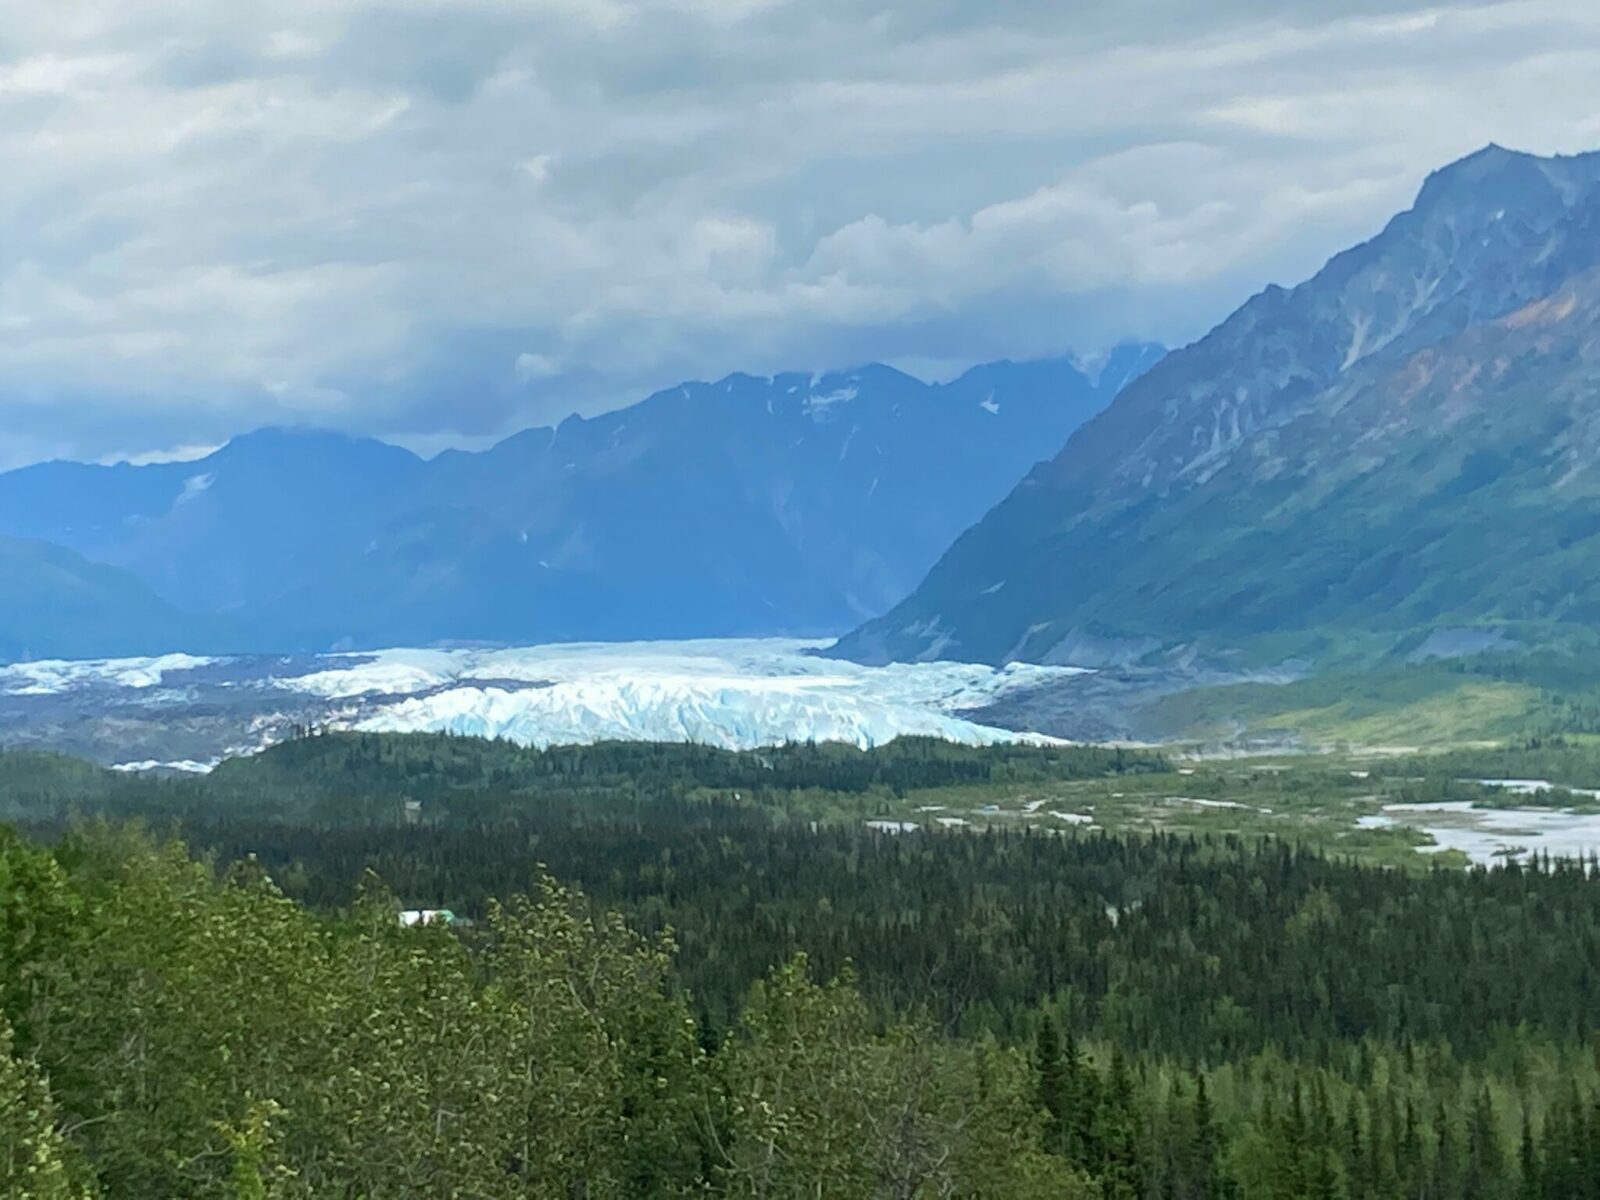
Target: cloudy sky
(441, 220)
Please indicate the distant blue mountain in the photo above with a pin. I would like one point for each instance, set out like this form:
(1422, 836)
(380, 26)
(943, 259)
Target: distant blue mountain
(56, 604)
(795, 504)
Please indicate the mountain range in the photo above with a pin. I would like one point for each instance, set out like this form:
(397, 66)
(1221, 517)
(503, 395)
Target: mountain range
(794, 504)
(1400, 455)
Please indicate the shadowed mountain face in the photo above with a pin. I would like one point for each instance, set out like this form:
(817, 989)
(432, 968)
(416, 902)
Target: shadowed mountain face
(796, 504)
(55, 604)
(1406, 442)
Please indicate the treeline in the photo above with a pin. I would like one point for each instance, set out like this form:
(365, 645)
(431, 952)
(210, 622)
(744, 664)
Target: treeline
(441, 764)
(365, 779)
(1560, 759)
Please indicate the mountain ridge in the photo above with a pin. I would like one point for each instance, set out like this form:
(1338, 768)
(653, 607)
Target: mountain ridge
(52, 601)
(797, 503)
(1216, 502)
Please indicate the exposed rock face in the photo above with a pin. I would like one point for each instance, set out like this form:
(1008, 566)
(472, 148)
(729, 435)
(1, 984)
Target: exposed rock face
(1403, 442)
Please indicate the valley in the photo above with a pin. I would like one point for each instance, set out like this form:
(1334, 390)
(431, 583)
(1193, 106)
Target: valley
(665, 599)
(1401, 812)
(1162, 943)
(1322, 786)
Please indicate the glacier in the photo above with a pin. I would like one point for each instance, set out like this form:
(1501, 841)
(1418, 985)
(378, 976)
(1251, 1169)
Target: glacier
(185, 712)
(51, 676)
(733, 693)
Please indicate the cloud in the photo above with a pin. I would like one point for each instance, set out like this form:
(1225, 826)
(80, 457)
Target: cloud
(442, 221)
(535, 366)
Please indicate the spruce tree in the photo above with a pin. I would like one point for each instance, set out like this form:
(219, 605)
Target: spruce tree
(1205, 1159)
(1486, 1168)
(1529, 1175)
(1051, 1073)
(1116, 1131)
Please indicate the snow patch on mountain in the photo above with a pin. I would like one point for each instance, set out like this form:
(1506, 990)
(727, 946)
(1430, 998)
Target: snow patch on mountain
(818, 404)
(193, 486)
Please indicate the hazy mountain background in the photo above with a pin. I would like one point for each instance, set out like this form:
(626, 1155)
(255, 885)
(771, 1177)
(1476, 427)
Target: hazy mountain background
(1394, 458)
(53, 598)
(1397, 456)
(795, 504)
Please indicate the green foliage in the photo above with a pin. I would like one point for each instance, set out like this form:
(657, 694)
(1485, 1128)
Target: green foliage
(1200, 947)
(1523, 693)
(366, 779)
(1564, 761)
(1383, 705)
(739, 1003)
(815, 1095)
(34, 1156)
(213, 1039)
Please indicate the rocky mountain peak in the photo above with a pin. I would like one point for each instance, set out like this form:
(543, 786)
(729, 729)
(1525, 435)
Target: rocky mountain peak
(1486, 236)
(1417, 414)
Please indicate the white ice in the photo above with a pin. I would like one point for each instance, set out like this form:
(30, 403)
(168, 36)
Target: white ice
(47, 677)
(187, 765)
(735, 693)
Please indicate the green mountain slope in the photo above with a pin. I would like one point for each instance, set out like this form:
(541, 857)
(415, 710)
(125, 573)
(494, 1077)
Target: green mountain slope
(1400, 449)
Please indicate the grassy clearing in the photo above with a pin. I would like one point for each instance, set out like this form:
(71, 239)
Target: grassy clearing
(1413, 707)
(1468, 712)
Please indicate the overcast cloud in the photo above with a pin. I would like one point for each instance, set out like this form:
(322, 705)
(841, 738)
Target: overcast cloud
(441, 220)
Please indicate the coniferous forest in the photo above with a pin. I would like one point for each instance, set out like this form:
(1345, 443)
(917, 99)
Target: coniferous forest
(679, 971)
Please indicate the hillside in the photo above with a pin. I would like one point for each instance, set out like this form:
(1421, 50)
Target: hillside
(1395, 456)
(54, 604)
